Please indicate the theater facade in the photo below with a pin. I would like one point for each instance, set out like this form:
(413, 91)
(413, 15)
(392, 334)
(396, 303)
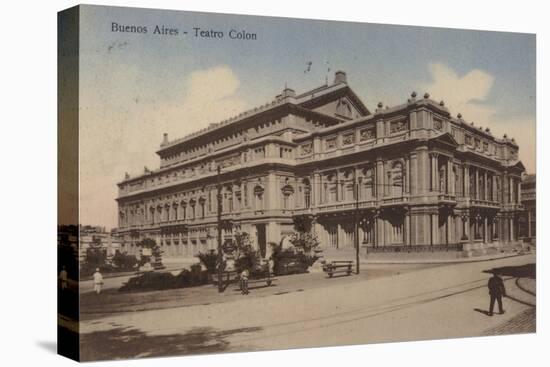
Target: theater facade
(413, 176)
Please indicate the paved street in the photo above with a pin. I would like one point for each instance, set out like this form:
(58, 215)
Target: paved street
(435, 302)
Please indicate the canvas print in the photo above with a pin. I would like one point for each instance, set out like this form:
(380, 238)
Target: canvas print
(239, 183)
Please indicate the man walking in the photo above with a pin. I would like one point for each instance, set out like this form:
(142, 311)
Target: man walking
(98, 281)
(496, 292)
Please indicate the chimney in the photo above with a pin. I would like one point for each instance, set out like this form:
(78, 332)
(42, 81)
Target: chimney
(165, 138)
(288, 92)
(340, 77)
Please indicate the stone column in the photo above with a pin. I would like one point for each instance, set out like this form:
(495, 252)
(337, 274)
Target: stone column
(380, 238)
(529, 223)
(510, 189)
(519, 192)
(435, 229)
(485, 232)
(234, 189)
(495, 193)
(477, 183)
(413, 174)
(471, 234)
(486, 186)
(449, 176)
(466, 180)
(386, 184)
(271, 192)
(407, 228)
(511, 229)
(433, 176)
(315, 190)
(379, 179)
(340, 235)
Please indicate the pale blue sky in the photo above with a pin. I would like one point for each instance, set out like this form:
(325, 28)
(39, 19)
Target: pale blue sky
(134, 86)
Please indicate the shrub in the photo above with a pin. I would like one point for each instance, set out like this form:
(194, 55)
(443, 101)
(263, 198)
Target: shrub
(149, 281)
(155, 281)
(298, 258)
(210, 261)
(124, 262)
(197, 275)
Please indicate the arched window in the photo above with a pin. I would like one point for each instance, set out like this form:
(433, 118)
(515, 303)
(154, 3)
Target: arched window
(159, 214)
(288, 195)
(499, 190)
(347, 194)
(307, 193)
(183, 205)
(121, 219)
(258, 197)
(332, 189)
(490, 188)
(368, 183)
(442, 180)
(202, 202)
(175, 211)
(167, 212)
(456, 182)
(192, 204)
(397, 179)
(481, 183)
(472, 184)
(228, 199)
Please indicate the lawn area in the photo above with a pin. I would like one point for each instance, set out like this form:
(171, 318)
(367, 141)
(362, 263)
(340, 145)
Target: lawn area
(111, 301)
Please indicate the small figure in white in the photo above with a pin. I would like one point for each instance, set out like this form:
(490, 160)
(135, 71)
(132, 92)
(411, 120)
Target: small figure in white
(98, 281)
(271, 266)
(244, 281)
(63, 278)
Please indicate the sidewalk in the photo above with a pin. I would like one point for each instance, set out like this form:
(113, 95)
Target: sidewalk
(404, 260)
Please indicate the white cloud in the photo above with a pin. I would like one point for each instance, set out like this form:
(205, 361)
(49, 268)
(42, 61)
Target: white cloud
(122, 125)
(468, 95)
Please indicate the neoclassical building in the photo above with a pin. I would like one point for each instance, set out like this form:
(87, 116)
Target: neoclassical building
(425, 179)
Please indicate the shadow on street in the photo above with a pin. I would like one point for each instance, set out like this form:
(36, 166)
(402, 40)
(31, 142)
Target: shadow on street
(124, 343)
(521, 271)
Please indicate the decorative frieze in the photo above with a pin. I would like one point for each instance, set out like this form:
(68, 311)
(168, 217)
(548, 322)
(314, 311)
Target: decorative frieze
(330, 143)
(398, 126)
(367, 134)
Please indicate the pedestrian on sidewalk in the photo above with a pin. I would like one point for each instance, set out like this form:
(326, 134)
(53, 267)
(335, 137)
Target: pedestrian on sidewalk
(496, 292)
(98, 281)
(244, 281)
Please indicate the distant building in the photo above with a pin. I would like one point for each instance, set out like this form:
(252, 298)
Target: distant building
(97, 236)
(425, 178)
(529, 200)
